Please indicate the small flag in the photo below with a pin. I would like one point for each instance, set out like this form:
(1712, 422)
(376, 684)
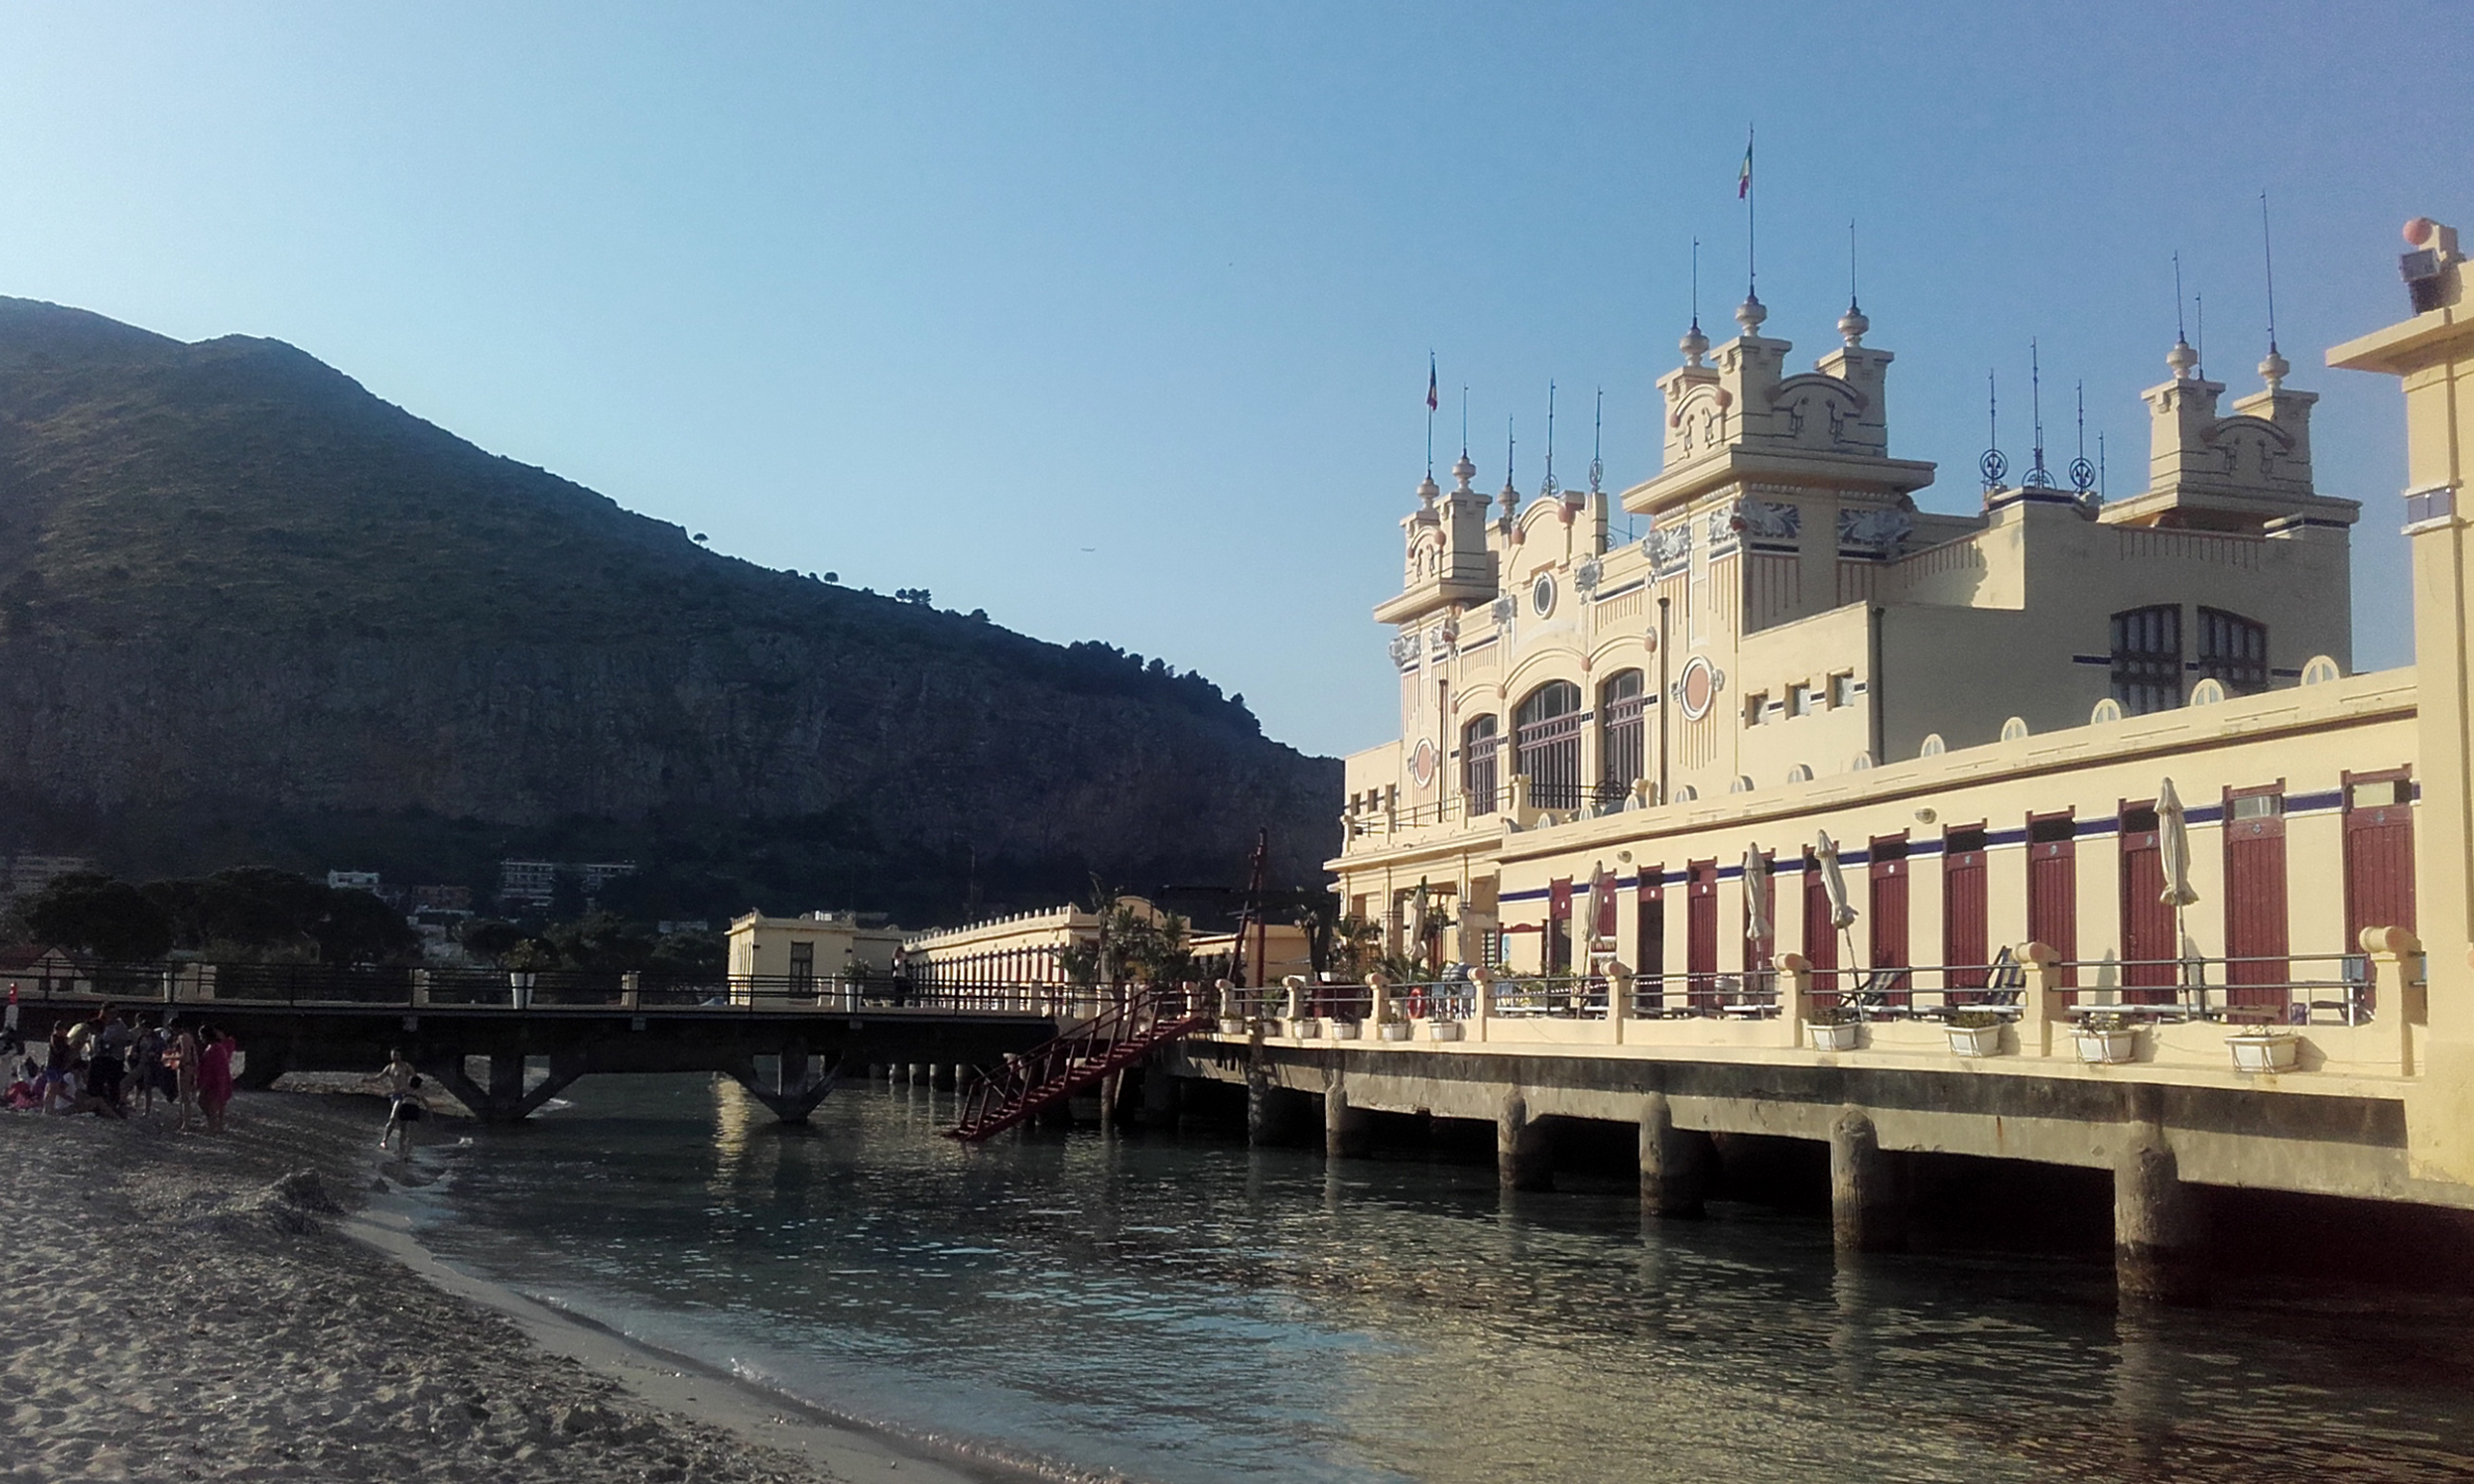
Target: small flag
(1743, 178)
(1431, 402)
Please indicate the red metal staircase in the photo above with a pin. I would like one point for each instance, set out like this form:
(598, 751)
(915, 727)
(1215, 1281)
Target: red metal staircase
(1117, 1037)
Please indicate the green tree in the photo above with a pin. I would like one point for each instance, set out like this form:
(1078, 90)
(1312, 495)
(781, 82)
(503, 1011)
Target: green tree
(487, 937)
(358, 927)
(89, 912)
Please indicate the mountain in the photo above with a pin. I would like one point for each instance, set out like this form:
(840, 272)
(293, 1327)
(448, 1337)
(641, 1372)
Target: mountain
(250, 612)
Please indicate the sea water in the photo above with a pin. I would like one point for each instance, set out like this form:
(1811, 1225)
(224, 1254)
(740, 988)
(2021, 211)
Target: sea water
(1181, 1309)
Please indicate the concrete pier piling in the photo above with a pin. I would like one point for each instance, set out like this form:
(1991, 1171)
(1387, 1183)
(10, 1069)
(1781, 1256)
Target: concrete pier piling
(1346, 1131)
(2160, 1240)
(1524, 1155)
(1674, 1163)
(1272, 1112)
(1161, 1099)
(1867, 1206)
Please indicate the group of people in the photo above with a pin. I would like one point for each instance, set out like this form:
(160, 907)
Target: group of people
(112, 1064)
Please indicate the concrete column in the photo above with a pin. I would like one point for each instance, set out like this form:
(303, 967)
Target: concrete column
(1524, 1159)
(2160, 1234)
(1674, 1161)
(2044, 1002)
(1795, 996)
(1111, 1097)
(1161, 1097)
(1272, 1111)
(2395, 955)
(1867, 1209)
(918, 1074)
(790, 1076)
(940, 1074)
(1346, 1130)
(1481, 1002)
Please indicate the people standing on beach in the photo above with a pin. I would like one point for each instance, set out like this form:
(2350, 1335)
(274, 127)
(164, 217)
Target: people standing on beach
(11, 1041)
(182, 1059)
(109, 1048)
(146, 1065)
(62, 1085)
(213, 1076)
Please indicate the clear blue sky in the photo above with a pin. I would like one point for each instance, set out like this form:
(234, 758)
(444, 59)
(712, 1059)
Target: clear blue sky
(1114, 319)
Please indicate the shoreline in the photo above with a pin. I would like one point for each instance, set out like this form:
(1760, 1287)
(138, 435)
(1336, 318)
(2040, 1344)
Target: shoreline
(256, 1306)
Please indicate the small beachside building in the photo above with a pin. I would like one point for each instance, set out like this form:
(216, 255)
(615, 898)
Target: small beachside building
(820, 946)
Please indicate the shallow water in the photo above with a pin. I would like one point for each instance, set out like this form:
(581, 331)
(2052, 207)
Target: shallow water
(1187, 1310)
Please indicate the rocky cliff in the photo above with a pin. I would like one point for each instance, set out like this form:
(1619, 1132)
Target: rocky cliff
(248, 610)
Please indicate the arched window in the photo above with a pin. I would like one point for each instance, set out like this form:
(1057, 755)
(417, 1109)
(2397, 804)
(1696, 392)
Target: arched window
(2233, 651)
(1622, 703)
(1478, 745)
(2147, 659)
(1546, 745)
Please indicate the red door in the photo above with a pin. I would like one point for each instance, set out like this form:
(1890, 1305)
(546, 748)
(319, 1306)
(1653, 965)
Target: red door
(2149, 947)
(1964, 941)
(2052, 889)
(1558, 926)
(1701, 932)
(1821, 936)
(2255, 971)
(1888, 872)
(1649, 951)
(2379, 855)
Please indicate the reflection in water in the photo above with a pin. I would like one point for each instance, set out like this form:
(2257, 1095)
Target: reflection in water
(1192, 1311)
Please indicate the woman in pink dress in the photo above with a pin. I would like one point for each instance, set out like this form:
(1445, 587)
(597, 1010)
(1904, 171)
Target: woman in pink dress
(214, 1078)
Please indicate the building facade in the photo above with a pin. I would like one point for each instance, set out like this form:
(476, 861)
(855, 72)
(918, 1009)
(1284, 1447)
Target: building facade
(817, 948)
(1973, 716)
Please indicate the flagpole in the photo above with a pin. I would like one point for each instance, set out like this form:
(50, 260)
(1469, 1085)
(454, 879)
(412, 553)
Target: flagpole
(1751, 238)
(1429, 416)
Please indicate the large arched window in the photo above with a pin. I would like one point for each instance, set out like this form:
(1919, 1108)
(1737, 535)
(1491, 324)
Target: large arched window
(2147, 659)
(2233, 651)
(1478, 745)
(1546, 744)
(1622, 706)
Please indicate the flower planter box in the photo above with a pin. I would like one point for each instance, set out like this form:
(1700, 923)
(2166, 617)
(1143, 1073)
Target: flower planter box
(1841, 1037)
(1232, 1025)
(1347, 1030)
(2107, 1048)
(1306, 1029)
(1395, 1030)
(1442, 1030)
(1976, 1039)
(2264, 1051)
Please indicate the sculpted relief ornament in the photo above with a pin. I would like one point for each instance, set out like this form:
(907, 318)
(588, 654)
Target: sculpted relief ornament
(1669, 549)
(1760, 519)
(1878, 532)
(1585, 577)
(1504, 607)
(1404, 650)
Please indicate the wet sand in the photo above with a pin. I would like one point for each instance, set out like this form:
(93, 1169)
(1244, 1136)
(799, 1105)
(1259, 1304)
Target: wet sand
(184, 1307)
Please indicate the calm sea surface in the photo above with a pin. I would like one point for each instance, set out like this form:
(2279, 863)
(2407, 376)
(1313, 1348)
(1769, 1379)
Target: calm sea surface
(1183, 1310)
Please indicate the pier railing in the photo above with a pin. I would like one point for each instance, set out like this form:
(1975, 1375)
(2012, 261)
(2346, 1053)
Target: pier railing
(2361, 1009)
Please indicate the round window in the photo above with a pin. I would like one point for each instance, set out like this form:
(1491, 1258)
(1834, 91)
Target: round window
(1541, 594)
(1697, 688)
(1422, 763)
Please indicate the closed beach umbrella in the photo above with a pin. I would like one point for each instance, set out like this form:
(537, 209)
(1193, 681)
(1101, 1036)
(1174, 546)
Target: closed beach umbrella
(1756, 896)
(2173, 843)
(1833, 882)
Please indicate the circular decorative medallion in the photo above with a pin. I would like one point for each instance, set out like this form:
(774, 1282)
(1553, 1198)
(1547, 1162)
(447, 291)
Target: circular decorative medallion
(1697, 689)
(1422, 763)
(1541, 594)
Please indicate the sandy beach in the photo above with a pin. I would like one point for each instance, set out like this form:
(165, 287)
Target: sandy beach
(184, 1307)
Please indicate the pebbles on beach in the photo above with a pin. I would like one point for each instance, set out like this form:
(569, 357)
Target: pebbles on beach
(180, 1308)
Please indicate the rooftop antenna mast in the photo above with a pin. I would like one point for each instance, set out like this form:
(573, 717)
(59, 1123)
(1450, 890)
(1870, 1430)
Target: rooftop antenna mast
(1696, 285)
(2083, 474)
(1548, 488)
(1464, 420)
(1993, 465)
(2199, 313)
(2038, 476)
(2181, 335)
(2268, 256)
(1598, 445)
(2100, 465)
(1430, 407)
(1752, 257)
(1851, 263)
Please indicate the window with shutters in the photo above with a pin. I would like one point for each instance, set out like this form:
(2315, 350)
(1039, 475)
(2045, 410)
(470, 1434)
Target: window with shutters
(1477, 748)
(2147, 659)
(1622, 733)
(1546, 745)
(2233, 651)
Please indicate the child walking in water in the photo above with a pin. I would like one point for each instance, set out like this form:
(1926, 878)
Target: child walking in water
(403, 1102)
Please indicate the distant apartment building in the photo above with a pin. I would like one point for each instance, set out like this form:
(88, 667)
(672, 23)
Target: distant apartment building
(27, 875)
(352, 881)
(534, 883)
(441, 898)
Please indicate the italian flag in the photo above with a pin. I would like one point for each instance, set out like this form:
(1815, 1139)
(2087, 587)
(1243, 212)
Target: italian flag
(1744, 177)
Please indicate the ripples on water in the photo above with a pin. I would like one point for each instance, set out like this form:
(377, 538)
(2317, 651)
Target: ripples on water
(1190, 1310)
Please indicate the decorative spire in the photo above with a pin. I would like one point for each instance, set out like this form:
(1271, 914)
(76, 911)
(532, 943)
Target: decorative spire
(1463, 472)
(1751, 313)
(1694, 345)
(1549, 489)
(2037, 475)
(1598, 445)
(1509, 494)
(2273, 369)
(2181, 357)
(1851, 324)
(1992, 466)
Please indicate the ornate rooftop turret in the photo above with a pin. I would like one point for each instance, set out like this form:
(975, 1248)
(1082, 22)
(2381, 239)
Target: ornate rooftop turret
(2208, 470)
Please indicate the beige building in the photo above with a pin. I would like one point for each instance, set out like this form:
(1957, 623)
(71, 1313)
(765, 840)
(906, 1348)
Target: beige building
(1030, 950)
(820, 946)
(1791, 627)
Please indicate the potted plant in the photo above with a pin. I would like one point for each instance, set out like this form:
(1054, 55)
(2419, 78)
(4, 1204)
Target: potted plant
(1395, 1027)
(1438, 1029)
(1307, 1028)
(2264, 1050)
(1975, 1032)
(1346, 1030)
(1832, 1028)
(2106, 1037)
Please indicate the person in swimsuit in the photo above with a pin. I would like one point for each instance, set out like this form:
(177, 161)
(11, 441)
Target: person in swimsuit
(214, 1078)
(403, 1109)
(182, 1059)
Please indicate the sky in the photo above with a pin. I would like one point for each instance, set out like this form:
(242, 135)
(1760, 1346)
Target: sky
(1114, 319)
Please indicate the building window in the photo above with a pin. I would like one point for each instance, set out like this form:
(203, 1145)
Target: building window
(1478, 745)
(2147, 659)
(802, 963)
(1756, 707)
(2233, 651)
(1546, 745)
(1803, 699)
(1622, 703)
(1843, 689)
